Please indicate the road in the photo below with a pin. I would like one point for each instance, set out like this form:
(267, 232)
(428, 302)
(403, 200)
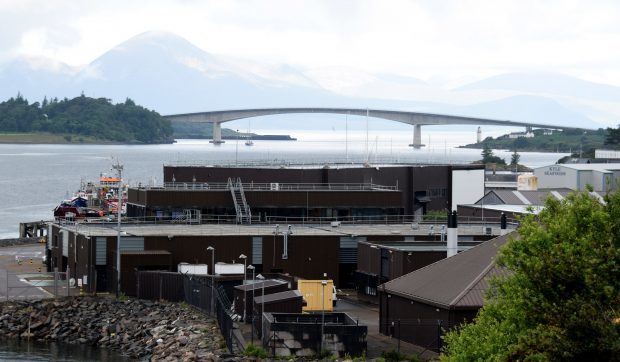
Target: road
(377, 343)
(23, 279)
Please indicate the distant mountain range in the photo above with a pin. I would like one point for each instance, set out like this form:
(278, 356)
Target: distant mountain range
(165, 72)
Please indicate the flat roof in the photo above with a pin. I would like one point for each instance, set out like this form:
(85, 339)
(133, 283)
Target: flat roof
(344, 230)
(521, 209)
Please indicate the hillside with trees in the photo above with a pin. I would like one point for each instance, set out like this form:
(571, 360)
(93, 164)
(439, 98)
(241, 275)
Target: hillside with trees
(80, 118)
(559, 141)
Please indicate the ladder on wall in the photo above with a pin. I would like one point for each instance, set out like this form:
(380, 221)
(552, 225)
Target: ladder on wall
(242, 209)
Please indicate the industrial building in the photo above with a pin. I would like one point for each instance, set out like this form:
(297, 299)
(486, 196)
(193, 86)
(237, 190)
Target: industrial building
(308, 251)
(302, 220)
(513, 203)
(299, 194)
(420, 306)
(576, 176)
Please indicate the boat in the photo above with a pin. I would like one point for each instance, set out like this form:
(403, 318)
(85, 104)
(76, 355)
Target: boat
(93, 199)
(248, 141)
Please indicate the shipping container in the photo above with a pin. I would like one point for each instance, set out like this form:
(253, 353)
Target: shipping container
(318, 294)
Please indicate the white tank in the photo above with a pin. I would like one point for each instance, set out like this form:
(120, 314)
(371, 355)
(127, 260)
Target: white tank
(228, 269)
(194, 269)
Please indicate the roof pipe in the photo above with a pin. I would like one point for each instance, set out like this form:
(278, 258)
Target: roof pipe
(452, 246)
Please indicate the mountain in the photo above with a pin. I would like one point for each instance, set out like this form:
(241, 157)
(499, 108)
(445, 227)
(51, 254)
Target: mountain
(549, 84)
(35, 77)
(165, 72)
(526, 108)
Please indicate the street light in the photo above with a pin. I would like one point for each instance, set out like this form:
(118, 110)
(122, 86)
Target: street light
(212, 250)
(237, 152)
(251, 267)
(245, 262)
(323, 284)
(261, 277)
(118, 167)
(370, 247)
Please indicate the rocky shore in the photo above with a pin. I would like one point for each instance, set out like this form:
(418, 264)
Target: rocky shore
(18, 241)
(139, 329)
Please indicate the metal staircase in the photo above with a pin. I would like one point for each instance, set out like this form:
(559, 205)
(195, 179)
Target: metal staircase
(242, 209)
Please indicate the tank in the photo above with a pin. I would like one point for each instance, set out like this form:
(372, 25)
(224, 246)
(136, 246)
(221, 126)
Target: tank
(195, 269)
(228, 269)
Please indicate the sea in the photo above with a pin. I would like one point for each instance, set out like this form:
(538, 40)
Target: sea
(35, 178)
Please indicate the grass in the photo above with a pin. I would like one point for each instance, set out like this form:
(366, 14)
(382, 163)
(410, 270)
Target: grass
(48, 138)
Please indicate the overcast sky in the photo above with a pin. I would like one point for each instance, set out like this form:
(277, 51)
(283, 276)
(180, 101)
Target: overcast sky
(431, 40)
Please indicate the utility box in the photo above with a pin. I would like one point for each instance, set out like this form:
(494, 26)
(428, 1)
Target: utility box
(318, 296)
(527, 183)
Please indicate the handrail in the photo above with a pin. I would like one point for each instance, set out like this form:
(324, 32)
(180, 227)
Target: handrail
(271, 186)
(246, 207)
(413, 220)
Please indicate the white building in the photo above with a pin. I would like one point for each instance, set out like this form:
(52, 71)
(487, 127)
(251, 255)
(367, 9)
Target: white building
(575, 176)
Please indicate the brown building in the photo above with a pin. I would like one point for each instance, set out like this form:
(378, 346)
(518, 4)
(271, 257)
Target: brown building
(380, 262)
(301, 194)
(419, 306)
(307, 251)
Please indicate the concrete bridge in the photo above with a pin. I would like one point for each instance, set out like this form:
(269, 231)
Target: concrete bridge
(416, 119)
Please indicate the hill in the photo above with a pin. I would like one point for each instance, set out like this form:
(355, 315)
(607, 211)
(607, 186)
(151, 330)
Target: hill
(85, 117)
(566, 141)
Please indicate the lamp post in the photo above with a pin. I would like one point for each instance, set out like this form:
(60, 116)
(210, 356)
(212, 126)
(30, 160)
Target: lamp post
(118, 167)
(237, 150)
(261, 277)
(251, 267)
(245, 259)
(323, 284)
(212, 250)
(370, 247)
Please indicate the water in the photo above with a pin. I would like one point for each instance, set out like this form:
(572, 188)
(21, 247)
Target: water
(35, 178)
(15, 350)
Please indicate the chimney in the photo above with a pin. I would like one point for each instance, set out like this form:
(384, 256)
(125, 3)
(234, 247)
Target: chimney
(503, 223)
(452, 234)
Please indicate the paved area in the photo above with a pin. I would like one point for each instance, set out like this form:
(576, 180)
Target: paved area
(367, 314)
(20, 266)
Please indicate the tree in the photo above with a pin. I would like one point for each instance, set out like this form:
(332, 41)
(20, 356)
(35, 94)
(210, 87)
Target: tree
(486, 152)
(514, 159)
(559, 296)
(489, 157)
(612, 137)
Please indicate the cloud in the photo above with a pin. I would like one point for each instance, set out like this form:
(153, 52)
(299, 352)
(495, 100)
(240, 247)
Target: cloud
(424, 39)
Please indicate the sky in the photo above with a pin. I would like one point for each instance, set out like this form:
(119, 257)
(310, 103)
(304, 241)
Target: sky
(440, 42)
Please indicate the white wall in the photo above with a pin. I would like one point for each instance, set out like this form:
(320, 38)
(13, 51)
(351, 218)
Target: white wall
(556, 176)
(467, 187)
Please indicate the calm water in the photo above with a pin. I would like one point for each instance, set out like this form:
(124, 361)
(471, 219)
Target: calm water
(35, 178)
(14, 350)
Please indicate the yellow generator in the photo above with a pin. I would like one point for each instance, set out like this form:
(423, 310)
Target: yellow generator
(318, 294)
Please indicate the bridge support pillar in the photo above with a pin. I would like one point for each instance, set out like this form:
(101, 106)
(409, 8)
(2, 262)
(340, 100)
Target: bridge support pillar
(417, 136)
(217, 133)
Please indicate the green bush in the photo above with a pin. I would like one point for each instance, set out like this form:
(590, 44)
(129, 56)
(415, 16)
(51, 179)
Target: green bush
(255, 351)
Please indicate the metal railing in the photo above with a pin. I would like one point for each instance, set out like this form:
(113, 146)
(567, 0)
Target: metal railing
(270, 186)
(413, 220)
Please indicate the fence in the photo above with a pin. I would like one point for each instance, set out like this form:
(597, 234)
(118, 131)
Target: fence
(197, 291)
(20, 286)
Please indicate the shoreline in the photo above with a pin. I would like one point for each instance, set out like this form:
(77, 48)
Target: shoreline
(136, 328)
